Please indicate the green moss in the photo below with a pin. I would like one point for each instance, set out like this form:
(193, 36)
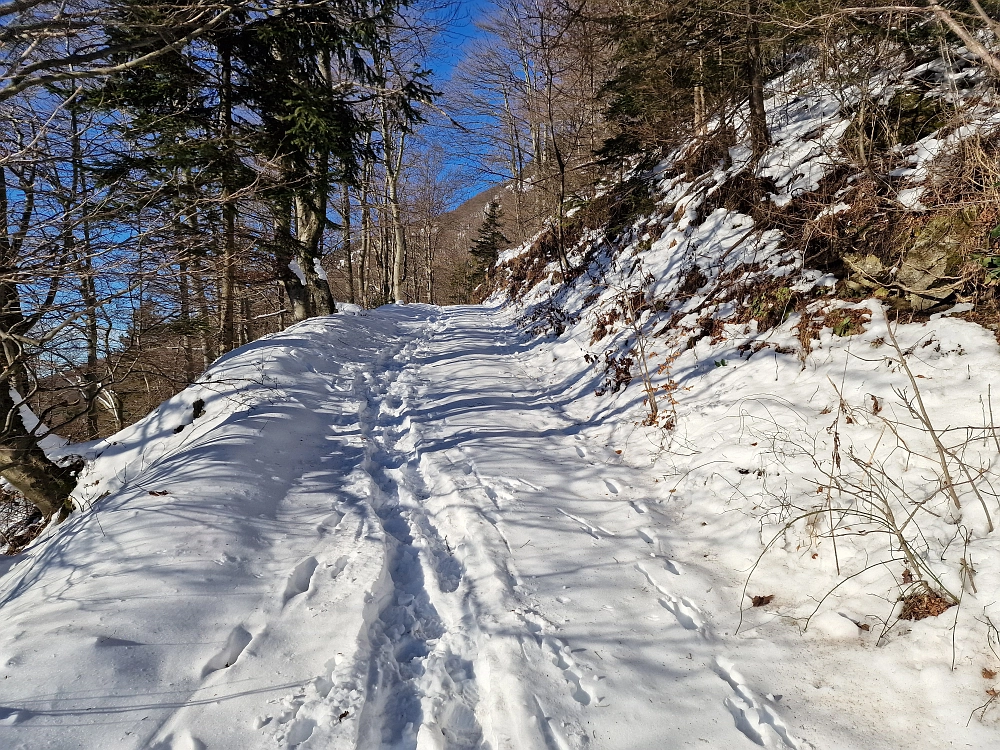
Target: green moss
(907, 117)
(771, 306)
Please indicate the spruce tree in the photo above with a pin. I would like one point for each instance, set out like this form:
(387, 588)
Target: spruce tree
(490, 241)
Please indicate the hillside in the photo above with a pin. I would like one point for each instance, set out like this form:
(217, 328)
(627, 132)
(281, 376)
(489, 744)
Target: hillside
(724, 476)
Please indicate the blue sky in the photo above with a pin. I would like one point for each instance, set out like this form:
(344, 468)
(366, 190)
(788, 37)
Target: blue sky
(461, 30)
(445, 55)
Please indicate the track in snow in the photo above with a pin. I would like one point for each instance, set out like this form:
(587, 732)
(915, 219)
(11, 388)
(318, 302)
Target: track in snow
(406, 541)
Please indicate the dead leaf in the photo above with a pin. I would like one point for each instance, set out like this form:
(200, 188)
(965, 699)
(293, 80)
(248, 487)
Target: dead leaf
(989, 674)
(761, 601)
(876, 406)
(864, 626)
(344, 715)
(907, 576)
(159, 493)
(618, 452)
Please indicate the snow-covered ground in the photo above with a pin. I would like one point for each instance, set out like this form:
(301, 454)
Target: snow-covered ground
(420, 528)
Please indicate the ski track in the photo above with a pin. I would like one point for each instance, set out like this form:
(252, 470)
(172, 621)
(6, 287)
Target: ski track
(485, 573)
(458, 653)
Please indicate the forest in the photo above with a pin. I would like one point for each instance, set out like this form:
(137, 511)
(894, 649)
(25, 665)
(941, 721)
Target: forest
(177, 180)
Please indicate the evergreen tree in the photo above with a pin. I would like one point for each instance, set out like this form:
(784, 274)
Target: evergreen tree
(486, 248)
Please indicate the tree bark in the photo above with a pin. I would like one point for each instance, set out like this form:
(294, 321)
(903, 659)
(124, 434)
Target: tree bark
(760, 138)
(22, 461)
(345, 222)
(24, 465)
(88, 290)
(310, 218)
(284, 254)
(393, 151)
(227, 281)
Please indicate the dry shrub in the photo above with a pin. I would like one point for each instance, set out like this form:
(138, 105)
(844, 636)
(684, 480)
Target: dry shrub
(693, 281)
(967, 175)
(548, 319)
(617, 372)
(744, 193)
(709, 152)
(529, 268)
(614, 211)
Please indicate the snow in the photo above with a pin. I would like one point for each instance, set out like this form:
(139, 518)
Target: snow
(417, 527)
(48, 440)
(294, 267)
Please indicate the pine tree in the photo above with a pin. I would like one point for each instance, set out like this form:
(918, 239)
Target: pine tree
(486, 248)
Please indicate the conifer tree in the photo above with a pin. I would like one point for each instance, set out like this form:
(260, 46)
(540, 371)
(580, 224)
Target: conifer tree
(490, 241)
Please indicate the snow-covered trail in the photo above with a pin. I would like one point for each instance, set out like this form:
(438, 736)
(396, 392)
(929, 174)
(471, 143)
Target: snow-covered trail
(582, 628)
(402, 529)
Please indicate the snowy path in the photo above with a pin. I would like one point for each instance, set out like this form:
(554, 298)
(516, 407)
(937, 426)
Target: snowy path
(580, 629)
(393, 530)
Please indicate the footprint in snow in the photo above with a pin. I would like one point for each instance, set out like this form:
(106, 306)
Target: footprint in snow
(299, 580)
(239, 638)
(329, 523)
(338, 567)
(684, 611)
(672, 566)
(612, 487)
(755, 718)
(562, 657)
(648, 535)
(180, 741)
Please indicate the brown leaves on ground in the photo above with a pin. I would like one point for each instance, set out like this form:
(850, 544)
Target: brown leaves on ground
(989, 674)
(761, 601)
(917, 606)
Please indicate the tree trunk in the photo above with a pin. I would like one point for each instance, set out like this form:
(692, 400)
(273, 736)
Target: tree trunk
(24, 465)
(284, 255)
(760, 138)
(205, 329)
(310, 216)
(184, 294)
(345, 221)
(88, 288)
(227, 281)
(393, 153)
(366, 229)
